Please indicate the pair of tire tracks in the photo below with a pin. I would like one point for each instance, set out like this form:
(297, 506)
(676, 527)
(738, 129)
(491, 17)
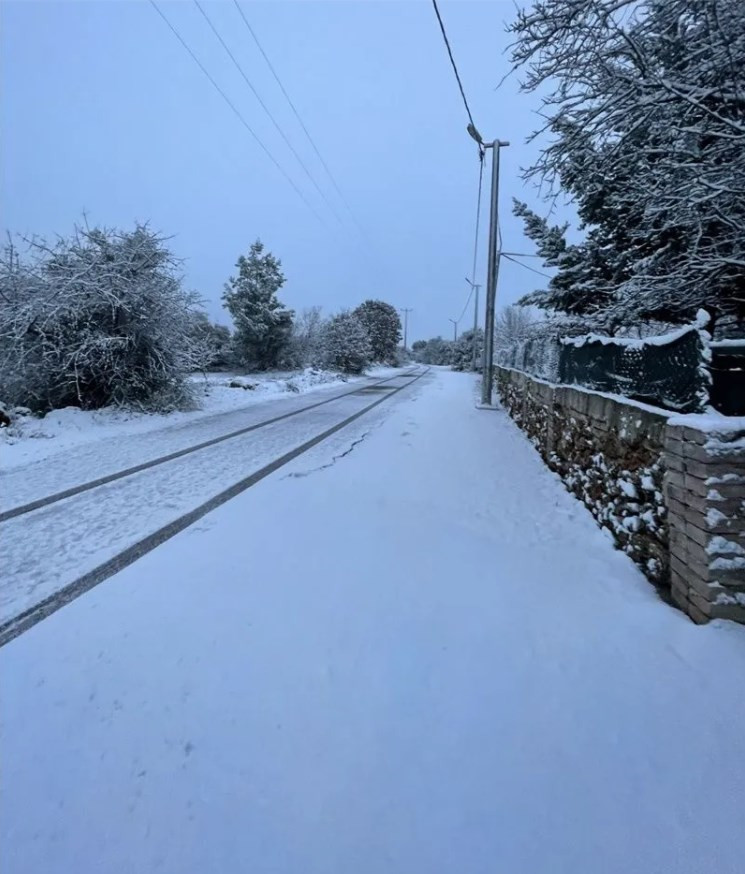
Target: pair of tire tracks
(71, 492)
(15, 626)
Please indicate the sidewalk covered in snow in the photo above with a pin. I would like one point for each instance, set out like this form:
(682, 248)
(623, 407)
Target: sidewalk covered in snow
(410, 650)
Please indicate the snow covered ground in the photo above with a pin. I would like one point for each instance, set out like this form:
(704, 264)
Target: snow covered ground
(34, 439)
(409, 650)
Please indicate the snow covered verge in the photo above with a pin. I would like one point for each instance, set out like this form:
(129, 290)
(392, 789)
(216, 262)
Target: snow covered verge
(607, 453)
(669, 489)
(31, 438)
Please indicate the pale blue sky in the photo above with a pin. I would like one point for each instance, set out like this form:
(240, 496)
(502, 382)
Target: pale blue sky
(104, 112)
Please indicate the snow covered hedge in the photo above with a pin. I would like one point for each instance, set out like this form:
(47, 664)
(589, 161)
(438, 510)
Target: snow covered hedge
(344, 344)
(97, 318)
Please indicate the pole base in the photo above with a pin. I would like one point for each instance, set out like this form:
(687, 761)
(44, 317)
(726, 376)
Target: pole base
(487, 407)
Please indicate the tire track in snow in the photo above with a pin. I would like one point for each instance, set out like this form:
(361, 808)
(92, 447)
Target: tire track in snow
(16, 625)
(22, 509)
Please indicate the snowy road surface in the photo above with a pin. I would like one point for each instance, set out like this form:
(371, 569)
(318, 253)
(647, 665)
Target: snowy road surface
(47, 550)
(419, 656)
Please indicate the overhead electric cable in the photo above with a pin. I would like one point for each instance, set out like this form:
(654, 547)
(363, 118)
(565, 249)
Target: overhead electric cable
(266, 109)
(235, 110)
(452, 61)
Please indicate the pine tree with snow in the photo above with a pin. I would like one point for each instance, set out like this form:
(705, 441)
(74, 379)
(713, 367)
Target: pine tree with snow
(383, 326)
(344, 344)
(263, 325)
(648, 120)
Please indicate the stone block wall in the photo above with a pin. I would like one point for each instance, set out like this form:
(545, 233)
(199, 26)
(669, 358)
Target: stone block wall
(672, 495)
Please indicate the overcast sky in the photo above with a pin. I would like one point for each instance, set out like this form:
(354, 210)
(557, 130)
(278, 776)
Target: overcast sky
(104, 112)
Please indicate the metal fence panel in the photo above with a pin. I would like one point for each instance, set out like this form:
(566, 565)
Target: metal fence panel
(666, 371)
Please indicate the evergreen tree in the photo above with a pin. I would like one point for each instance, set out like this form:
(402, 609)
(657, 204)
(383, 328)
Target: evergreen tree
(383, 325)
(263, 325)
(462, 358)
(648, 120)
(344, 344)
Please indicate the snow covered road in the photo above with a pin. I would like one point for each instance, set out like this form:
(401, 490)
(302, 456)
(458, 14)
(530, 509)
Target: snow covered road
(409, 651)
(47, 550)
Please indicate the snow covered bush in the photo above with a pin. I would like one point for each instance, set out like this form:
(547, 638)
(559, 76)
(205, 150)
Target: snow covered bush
(383, 325)
(463, 350)
(263, 325)
(213, 342)
(97, 318)
(434, 351)
(344, 344)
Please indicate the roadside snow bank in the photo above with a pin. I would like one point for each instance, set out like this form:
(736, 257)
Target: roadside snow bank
(29, 438)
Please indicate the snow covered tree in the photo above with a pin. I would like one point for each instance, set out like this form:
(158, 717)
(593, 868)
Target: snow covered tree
(462, 358)
(98, 318)
(648, 120)
(306, 334)
(383, 327)
(263, 325)
(513, 324)
(344, 344)
(434, 351)
(212, 340)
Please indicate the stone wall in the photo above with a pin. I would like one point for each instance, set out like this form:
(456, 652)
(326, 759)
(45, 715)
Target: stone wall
(671, 495)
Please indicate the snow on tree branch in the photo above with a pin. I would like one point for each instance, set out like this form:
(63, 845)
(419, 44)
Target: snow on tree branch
(646, 105)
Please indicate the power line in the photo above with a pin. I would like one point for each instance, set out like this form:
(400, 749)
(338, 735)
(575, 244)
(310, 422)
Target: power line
(452, 61)
(266, 109)
(235, 110)
(294, 110)
(526, 266)
(470, 295)
(478, 215)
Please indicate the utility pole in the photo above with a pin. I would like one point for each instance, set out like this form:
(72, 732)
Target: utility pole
(475, 287)
(406, 312)
(492, 270)
(455, 330)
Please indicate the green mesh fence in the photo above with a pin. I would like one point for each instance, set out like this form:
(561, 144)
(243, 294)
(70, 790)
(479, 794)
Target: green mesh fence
(669, 371)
